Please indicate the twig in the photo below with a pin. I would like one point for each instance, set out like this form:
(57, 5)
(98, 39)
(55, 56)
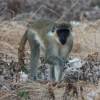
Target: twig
(44, 6)
(66, 12)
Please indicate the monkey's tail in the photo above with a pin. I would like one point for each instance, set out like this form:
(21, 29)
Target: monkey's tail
(21, 54)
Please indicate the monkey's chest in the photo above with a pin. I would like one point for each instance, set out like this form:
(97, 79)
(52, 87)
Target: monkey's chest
(55, 49)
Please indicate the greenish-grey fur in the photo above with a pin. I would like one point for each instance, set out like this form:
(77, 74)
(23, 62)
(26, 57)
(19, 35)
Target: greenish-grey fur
(41, 27)
(54, 52)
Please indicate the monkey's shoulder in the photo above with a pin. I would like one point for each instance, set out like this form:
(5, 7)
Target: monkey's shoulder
(41, 37)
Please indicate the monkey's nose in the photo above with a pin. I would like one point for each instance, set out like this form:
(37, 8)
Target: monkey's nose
(63, 41)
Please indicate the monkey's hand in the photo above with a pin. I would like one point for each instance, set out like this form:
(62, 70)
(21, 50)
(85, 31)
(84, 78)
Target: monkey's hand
(55, 60)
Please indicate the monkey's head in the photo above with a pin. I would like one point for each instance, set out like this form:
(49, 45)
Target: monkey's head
(62, 32)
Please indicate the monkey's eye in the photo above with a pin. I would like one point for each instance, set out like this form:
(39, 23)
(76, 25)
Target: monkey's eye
(63, 31)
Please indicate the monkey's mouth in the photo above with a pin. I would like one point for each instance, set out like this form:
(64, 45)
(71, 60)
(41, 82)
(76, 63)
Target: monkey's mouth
(63, 35)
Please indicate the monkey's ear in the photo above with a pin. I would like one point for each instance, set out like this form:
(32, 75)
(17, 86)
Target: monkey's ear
(53, 28)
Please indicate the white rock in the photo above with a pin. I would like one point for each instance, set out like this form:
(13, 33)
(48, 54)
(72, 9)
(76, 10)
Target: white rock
(75, 23)
(23, 76)
(91, 95)
(75, 63)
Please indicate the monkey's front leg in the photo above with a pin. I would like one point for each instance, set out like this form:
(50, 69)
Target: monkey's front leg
(56, 68)
(59, 67)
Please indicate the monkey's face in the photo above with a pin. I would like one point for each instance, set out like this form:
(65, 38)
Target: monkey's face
(63, 35)
(63, 32)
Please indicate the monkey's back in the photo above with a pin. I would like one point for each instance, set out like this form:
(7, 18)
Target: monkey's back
(42, 27)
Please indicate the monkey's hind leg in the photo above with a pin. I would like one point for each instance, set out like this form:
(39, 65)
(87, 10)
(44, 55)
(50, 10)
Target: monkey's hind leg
(35, 54)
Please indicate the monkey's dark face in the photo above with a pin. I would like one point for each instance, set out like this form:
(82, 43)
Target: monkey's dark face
(63, 34)
(62, 31)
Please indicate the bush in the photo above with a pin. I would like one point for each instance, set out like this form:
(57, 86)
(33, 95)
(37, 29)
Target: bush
(95, 3)
(15, 6)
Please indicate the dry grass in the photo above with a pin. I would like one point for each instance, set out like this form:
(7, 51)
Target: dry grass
(86, 37)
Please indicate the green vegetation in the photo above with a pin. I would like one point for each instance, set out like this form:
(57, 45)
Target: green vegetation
(23, 94)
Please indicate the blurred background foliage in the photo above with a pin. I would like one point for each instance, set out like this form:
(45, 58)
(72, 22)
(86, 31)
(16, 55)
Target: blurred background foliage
(50, 9)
